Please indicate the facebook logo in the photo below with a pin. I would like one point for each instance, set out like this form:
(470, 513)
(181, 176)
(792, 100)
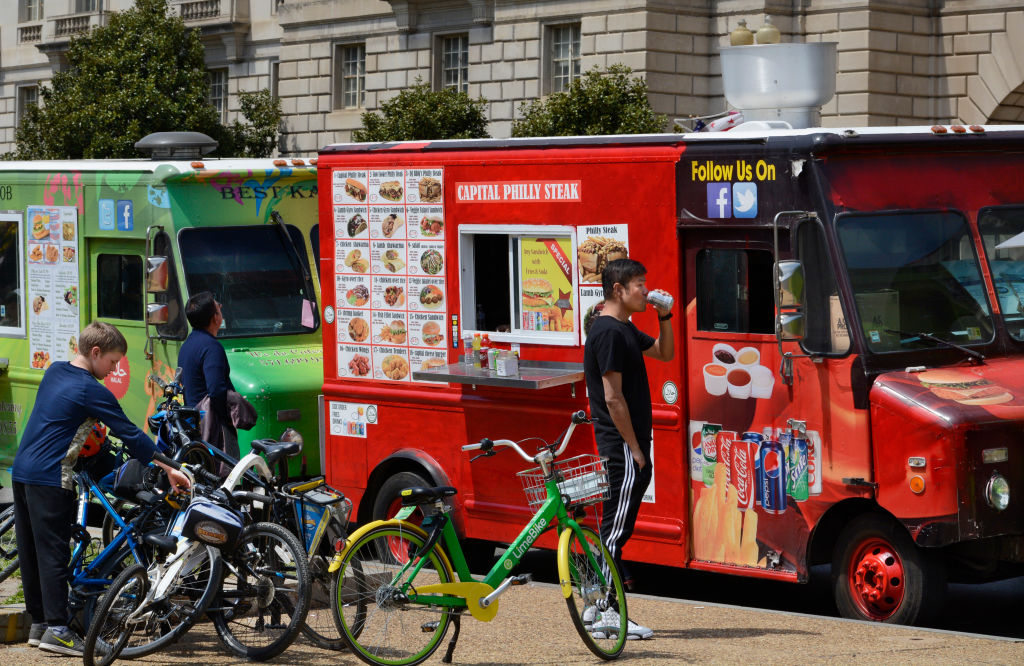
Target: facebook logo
(744, 200)
(125, 215)
(719, 200)
(107, 215)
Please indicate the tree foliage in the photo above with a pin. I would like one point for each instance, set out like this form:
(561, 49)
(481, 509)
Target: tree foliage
(143, 72)
(610, 102)
(419, 113)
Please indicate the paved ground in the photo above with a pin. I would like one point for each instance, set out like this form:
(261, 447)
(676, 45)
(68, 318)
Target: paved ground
(533, 627)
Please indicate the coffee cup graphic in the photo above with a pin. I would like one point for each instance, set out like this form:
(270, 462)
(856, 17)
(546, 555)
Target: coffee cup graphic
(761, 382)
(724, 354)
(738, 383)
(714, 379)
(748, 356)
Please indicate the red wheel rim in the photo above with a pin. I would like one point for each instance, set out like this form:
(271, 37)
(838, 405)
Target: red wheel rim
(397, 546)
(876, 579)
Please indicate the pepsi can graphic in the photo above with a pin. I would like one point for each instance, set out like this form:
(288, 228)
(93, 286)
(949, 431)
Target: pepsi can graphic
(772, 477)
(796, 470)
(756, 438)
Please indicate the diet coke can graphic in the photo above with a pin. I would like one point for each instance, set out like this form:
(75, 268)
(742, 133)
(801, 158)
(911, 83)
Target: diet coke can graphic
(813, 463)
(696, 459)
(772, 477)
(796, 470)
(756, 438)
(724, 442)
(743, 454)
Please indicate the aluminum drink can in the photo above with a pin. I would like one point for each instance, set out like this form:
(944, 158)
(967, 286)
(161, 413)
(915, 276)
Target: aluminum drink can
(696, 457)
(772, 476)
(796, 470)
(813, 463)
(660, 299)
(708, 440)
(756, 438)
(744, 456)
(724, 442)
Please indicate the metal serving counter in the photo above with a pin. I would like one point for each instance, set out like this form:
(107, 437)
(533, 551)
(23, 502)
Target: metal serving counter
(532, 375)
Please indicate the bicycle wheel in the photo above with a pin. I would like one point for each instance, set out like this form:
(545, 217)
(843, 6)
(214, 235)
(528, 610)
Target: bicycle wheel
(320, 626)
(377, 620)
(189, 588)
(587, 566)
(8, 544)
(265, 594)
(196, 455)
(112, 627)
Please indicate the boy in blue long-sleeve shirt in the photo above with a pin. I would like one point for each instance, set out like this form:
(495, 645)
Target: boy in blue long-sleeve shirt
(69, 402)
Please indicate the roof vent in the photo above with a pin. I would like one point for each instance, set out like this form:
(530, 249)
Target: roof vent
(175, 145)
(787, 82)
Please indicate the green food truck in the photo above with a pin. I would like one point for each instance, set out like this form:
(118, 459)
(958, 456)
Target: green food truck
(127, 242)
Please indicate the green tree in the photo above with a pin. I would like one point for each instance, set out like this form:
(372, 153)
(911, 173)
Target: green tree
(598, 102)
(419, 113)
(143, 72)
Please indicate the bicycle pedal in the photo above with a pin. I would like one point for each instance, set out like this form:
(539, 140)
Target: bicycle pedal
(522, 579)
(429, 627)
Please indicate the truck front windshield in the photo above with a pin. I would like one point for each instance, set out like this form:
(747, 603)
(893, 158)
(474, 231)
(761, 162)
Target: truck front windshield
(1004, 252)
(254, 274)
(915, 272)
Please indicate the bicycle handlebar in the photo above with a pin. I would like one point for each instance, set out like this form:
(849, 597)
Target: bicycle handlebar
(197, 471)
(576, 419)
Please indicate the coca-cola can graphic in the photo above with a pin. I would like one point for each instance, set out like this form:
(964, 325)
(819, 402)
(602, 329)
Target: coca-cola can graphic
(743, 453)
(723, 442)
(757, 438)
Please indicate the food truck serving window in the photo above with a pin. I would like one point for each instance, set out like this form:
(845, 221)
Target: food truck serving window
(1002, 233)
(252, 271)
(12, 322)
(734, 291)
(519, 282)
(119, 286)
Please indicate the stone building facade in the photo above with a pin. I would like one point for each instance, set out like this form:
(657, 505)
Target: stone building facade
(909, 62)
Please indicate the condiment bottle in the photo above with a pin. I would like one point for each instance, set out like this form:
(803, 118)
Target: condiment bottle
(477, 342)
(467, 350)
(768, 33)
(741, 36)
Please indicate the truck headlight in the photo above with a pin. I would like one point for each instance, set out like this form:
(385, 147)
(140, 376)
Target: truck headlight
(997, 492)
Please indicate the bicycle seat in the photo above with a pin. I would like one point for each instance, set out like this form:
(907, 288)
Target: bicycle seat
(419, 495)
(275, 450)
(164, 542)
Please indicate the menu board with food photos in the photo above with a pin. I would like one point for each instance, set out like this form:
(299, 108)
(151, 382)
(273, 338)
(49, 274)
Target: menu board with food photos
(52, 281)
(389, 259)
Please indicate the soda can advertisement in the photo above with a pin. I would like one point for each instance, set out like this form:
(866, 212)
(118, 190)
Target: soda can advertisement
(696, 457)
(709, 448)
(757, 438)
(813, 463)
(724, 442)
(796, 470)
(743, 454)
(772, 478)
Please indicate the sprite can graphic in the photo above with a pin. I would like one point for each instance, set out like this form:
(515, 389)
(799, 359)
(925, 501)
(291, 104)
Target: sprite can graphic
(796, 470)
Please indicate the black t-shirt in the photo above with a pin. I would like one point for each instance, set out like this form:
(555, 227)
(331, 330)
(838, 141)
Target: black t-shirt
(617, 346)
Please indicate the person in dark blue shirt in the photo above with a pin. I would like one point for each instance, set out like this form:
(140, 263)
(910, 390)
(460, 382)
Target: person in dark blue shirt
(205, 371)
(69, 402)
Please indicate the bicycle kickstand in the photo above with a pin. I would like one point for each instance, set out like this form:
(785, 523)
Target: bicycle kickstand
(455, 637)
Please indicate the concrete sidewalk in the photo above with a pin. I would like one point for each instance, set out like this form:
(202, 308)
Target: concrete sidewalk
(533, 627)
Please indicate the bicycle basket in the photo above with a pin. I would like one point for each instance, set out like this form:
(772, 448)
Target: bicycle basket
(584, 481)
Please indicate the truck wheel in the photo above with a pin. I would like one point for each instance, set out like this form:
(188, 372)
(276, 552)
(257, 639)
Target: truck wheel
(389, 497)
(880, 574)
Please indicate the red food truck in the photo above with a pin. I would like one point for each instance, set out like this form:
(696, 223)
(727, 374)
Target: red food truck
(848, 385)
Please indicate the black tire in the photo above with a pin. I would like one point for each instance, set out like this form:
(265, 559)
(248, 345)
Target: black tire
(256, 617)
(588, 590)
(321, 627)
(8, 544)
(82, 600)
(108, 633)
(880, 574)
(389, 496)
(197, 455)
(379, 626)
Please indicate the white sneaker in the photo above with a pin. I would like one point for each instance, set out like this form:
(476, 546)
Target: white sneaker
(636, 631)
(589, 615)
(608, 626)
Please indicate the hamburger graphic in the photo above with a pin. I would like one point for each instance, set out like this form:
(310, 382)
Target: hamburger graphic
(40, 226)
(538, 294)
(432, 333)
(963, 387)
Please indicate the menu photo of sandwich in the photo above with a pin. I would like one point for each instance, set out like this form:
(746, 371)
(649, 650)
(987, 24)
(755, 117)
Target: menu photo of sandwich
(431, 333)
(538, 294)
(391, 190)
(355, 189)
(429, 189)
(40, 226)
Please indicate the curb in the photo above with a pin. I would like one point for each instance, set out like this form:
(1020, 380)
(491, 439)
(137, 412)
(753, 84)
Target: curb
(14, 623)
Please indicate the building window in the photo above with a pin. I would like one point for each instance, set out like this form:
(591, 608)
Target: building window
(28, 96)
(455, 62)
(275, 76)
(83, 6)
(31, 10)
(565, 56)
(350, 65)
(219, 92)
(119, 292)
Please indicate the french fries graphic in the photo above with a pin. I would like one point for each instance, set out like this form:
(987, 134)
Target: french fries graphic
(721, 532)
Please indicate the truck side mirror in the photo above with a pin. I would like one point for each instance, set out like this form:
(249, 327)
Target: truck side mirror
(157, 274)
(157, 313)
(790, 284)
(791, 326)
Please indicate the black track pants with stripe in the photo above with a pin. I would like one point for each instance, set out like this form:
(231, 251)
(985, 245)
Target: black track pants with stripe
(628, 483)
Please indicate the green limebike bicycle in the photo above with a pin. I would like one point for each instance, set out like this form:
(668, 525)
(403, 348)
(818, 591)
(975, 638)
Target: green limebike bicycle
(400, 585)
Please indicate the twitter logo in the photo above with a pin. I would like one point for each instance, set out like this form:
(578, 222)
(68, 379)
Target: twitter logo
(744, 200)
